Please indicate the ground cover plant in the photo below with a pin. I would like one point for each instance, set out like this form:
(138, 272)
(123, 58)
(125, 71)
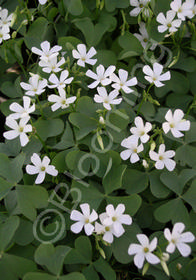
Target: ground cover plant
(98, 143)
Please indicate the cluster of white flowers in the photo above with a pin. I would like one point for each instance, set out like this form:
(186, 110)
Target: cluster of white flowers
(5, 24)
(110, 221)
(174, 123)
(176, 239)
(178, 9)
(22, 114)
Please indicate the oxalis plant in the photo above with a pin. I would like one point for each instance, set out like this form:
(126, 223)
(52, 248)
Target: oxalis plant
(98, 145)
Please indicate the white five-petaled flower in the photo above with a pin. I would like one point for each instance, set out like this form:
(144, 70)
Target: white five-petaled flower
(175, 123)
(84, 219)
(140, 131)
(18, 129)
(190, 7)
(168, 22)
(52, 65)
(144, 251)
(46, 53)
(62, 81)
(122, 81)
(106, 99)
(143, 37)
(140, 5)
(154, 75)
(42, 2)
(117, 218)
(22, 112)
(83, 56)
(103, 76)
(179, 8)
(4, 33)
(40, 167)
(106, 229)
(179, 239)
(5, 20)
(61, 101)
(35, 85)
(133, 149)
(163, 158)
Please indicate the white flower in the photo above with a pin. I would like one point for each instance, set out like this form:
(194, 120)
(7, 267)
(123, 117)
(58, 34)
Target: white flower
(144, 251)
(106, 99)
(175, 123)
(139, 5)
(190, 7)
(40, 167)
(42, 2)
(18, 130)
(179, 8)
(144, 37)
(141, 130)
(132, 149)
(117, 218)
(83, 56)
(22, 112)
(5, 20)
(46, 53)
(122, 81)
(178, 239)
(60, 100)
(155, 76)
(35, 86)
(84, 219)
(4, 33)
(163, 158)
(168, 22)
(52, 65)
(102, 76)
(62, 81)
(105, 228)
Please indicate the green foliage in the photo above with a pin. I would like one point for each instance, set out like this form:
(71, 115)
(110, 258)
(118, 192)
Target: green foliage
(83, 142)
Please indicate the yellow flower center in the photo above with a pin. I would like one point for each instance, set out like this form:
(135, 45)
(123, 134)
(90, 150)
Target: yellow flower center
(83, 58)
(43, 168)
(169, 25)
(145, 40)
(146, 250)
(63, 102)
(135, 150)
(114, 219)
(107, 228)
(21, 129)
(161, 157)
(141, 5)
(171, 125)
(87, 221)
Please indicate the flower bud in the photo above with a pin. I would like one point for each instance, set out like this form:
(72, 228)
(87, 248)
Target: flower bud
(145, 164)
(101, 120)
(14, 34)
(165, 257)
(25, 22)
(152, 146)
